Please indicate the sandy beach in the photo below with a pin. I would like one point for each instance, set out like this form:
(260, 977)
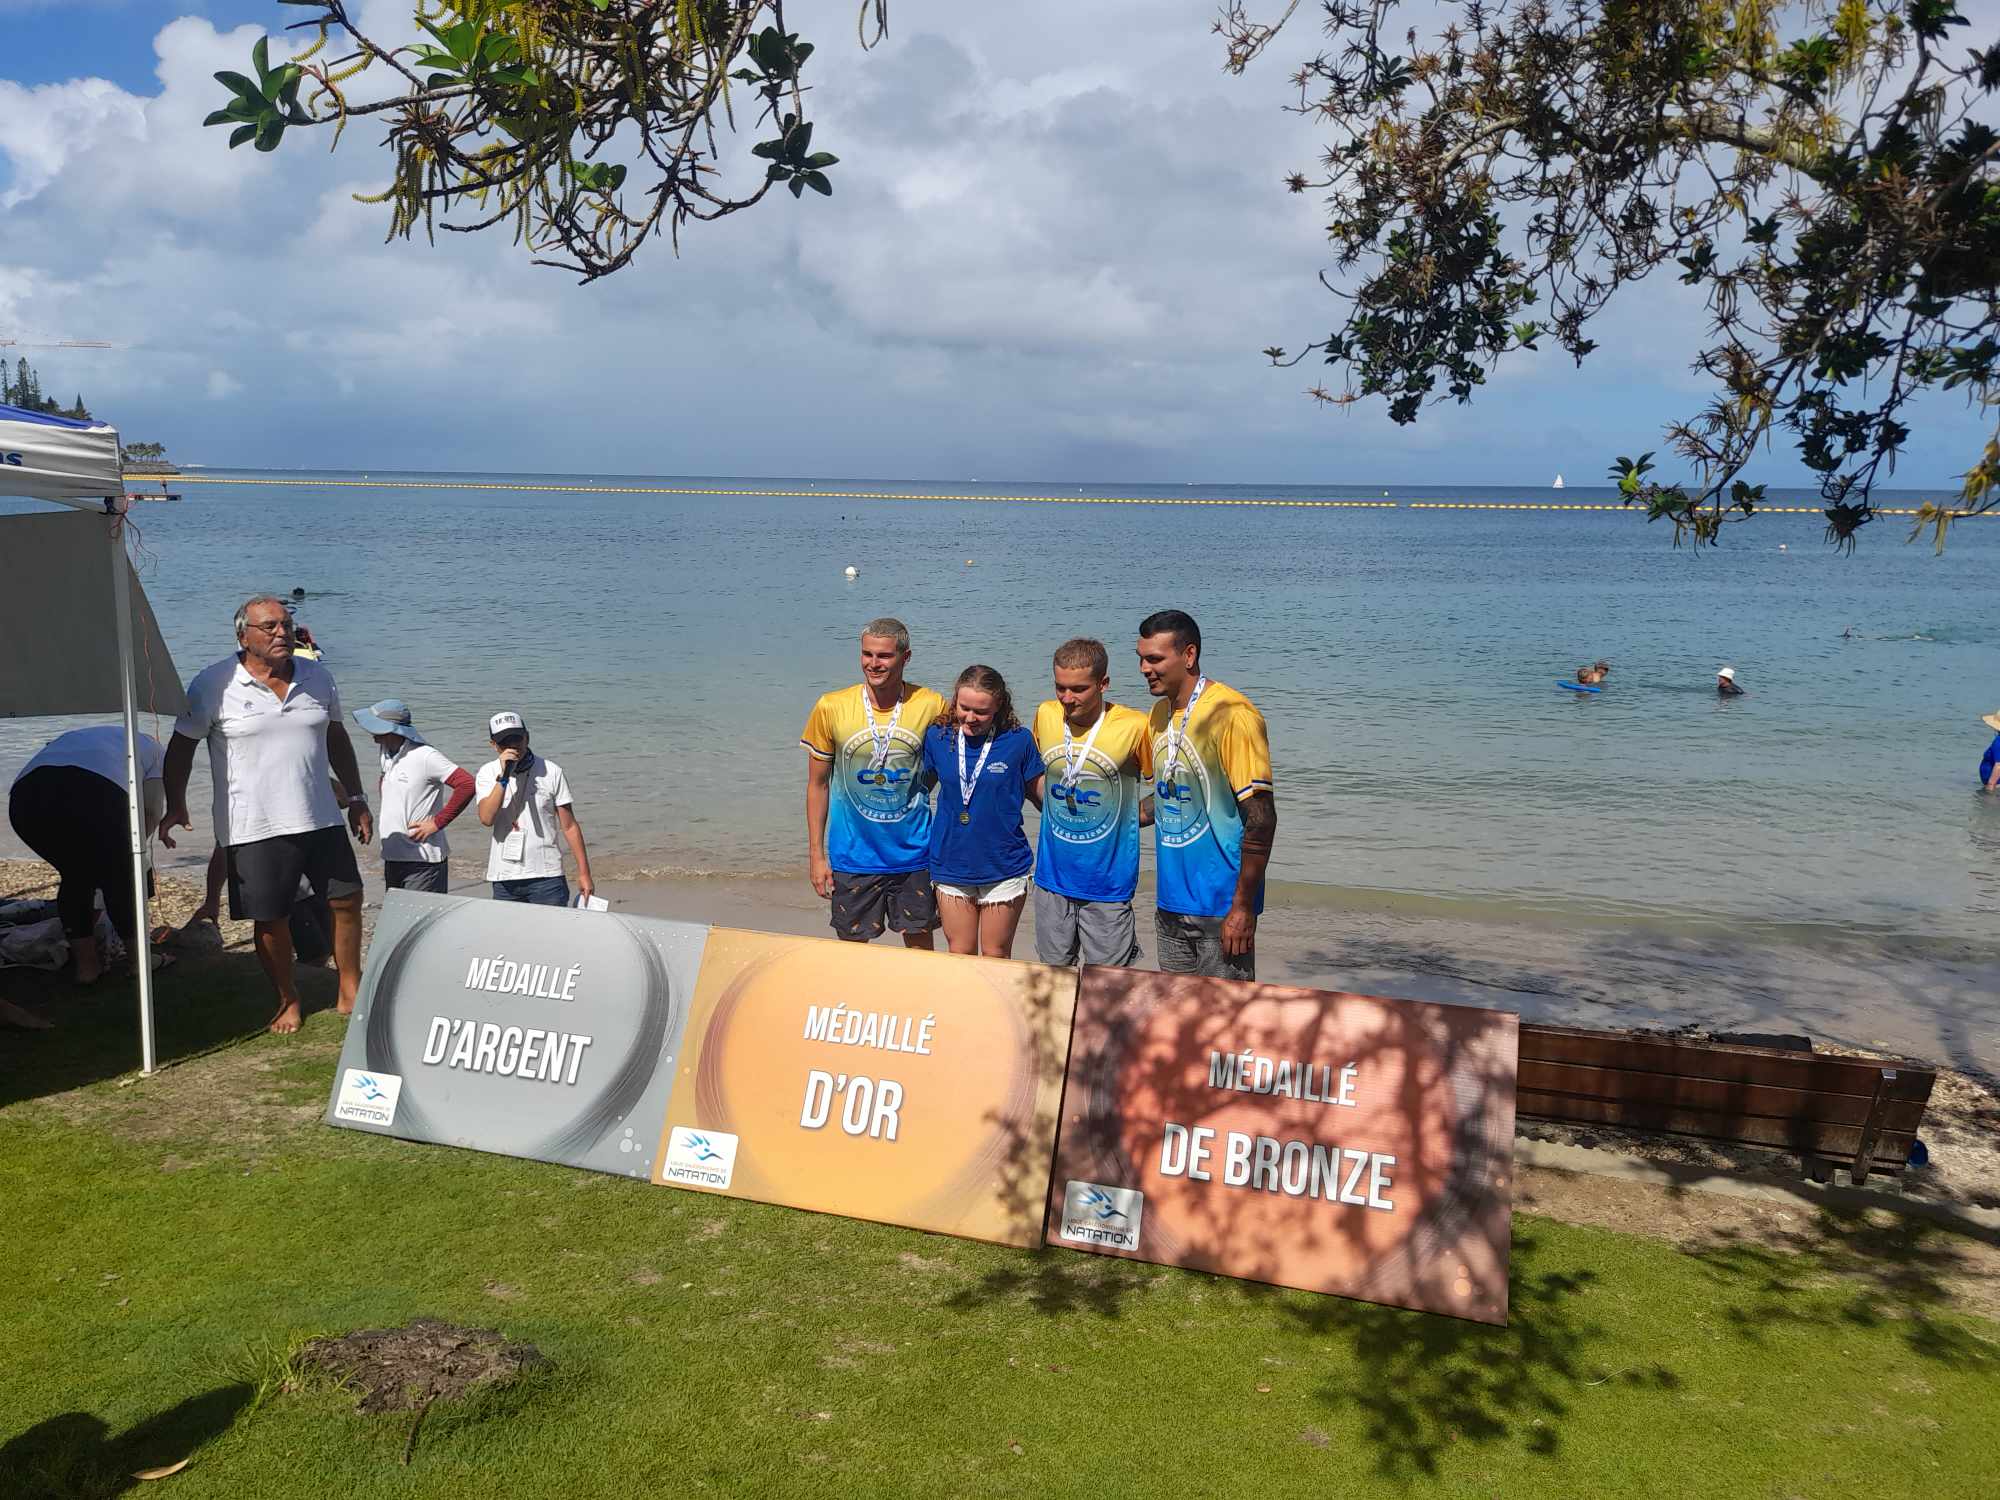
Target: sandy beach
(1928, 1006)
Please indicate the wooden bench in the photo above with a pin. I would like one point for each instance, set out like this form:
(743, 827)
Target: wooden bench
(1853, 1111)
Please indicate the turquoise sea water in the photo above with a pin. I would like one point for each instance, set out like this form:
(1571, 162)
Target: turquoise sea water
(666, 648)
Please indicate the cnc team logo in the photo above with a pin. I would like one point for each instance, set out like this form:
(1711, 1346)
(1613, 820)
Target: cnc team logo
(1089, 811)
(884, 793)
(1180, 801)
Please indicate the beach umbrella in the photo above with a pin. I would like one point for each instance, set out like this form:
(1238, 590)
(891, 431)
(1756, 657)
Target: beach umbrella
(61, 575)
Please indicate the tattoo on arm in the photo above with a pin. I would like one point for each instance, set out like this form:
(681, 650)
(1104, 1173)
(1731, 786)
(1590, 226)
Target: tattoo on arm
(1260, 822)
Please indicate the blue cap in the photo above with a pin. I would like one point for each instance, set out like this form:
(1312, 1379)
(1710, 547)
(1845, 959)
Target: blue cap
(390, 716)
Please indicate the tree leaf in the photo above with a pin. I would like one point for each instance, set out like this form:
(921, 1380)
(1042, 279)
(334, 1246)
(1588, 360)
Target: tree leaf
(241, 134)
(821, 159)
(818, 183)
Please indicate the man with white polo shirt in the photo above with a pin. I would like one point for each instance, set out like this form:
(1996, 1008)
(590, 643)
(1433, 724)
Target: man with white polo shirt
(275, 744)
(524, 798)
(422, 791)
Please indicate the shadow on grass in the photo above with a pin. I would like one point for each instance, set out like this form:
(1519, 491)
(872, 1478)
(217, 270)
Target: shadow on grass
(1418, 1384)
(198, 1005)
(1426, 1385)
(203, 1001)
(75, 1456)
(1883, 1271)
(1057, 1283)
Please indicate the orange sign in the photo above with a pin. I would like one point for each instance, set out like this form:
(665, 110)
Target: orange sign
(907, 1087)
(1331, 1142)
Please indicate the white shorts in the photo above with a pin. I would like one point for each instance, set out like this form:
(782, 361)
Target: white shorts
(993, 893)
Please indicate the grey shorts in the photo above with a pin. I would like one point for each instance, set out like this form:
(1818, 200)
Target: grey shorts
(1193, 945)
(862, 904)
(264, 874)
(1069, 931)
(417, 875)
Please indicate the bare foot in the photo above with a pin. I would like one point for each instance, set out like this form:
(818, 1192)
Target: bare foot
(286, 1020)
(13, 1015)
(344, 1006)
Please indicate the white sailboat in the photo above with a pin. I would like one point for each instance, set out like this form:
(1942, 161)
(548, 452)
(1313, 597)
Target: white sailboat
(1559, 482)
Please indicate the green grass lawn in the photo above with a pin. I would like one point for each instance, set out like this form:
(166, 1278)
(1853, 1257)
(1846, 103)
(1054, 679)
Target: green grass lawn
(168, 1241)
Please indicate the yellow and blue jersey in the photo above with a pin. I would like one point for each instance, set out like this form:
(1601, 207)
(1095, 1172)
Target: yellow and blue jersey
(1197, 812)
(878, 820)
(1089, 842)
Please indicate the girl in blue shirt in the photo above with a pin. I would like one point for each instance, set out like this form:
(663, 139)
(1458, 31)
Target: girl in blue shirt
(1989, 763)
(985, 766)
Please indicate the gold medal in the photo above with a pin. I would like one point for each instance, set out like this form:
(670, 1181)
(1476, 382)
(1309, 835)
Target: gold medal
(965, 817)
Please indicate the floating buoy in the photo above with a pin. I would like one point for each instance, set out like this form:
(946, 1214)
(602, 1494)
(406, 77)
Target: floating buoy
(1781, 546)
(852, 571)
(968, 562)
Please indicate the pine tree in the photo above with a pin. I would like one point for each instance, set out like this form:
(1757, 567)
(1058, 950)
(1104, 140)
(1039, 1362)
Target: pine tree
(22, 387)
(6, 386)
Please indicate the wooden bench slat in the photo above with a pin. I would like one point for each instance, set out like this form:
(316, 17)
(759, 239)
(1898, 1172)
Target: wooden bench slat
(1837, 1141)
(1723, 1062)
(1722, 1098)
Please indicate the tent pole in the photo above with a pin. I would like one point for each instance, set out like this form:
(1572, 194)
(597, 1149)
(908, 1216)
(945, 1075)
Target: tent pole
(142, 957)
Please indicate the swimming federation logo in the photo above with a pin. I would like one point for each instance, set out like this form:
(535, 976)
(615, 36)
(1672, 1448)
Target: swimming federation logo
(889, 792)
(1093, 808)
(1094, 1214)
(1180, 801)
(699, 1158)
(368, 1098)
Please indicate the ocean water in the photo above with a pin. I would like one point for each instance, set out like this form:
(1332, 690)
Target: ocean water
(665, 648)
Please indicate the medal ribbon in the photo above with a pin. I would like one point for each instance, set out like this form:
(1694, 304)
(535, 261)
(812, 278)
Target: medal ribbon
(968, 785)
(881, 737)
(1075, 760)
(1177, 738)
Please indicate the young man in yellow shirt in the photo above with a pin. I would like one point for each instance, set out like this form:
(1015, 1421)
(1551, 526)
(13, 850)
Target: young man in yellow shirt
(868, 818)
(1097, 765)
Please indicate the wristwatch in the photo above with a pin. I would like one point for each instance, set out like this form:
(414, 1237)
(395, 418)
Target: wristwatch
(359, 800)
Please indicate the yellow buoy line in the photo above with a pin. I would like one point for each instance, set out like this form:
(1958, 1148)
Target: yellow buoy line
(651, 489)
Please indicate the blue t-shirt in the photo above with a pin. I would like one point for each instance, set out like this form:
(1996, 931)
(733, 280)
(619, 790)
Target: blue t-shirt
(992, 846)
(1991, 758)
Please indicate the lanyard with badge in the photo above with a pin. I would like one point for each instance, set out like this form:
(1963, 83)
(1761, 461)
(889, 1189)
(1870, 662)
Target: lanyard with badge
(515, 845)
(968, 785)
(1177, 738)
(1074, 760)
(883, 737)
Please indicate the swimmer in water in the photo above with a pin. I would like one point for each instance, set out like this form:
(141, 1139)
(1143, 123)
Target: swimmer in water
(1725, 684)
(1587, 676)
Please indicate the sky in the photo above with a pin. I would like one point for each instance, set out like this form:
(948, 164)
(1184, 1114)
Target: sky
(1058, 239)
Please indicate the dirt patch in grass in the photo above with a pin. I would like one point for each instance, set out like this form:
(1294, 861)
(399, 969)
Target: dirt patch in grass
(1874, 1250)
(407, 1368)
(245, 1102)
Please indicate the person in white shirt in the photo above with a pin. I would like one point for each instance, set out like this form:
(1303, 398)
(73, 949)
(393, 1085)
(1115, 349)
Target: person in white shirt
(68, 805)
(275, 743)
(422, 791)
(524, 798)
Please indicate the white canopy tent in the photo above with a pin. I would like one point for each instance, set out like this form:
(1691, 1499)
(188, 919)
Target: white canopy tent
(61, 576)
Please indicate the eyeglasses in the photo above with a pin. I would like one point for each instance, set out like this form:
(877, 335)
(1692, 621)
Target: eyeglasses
(278, 627)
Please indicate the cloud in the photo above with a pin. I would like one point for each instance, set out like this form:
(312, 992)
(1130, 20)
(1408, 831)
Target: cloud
(1040, 260)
